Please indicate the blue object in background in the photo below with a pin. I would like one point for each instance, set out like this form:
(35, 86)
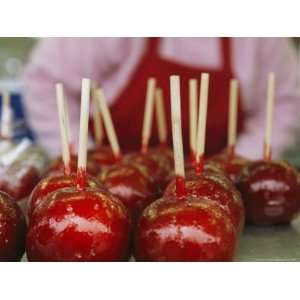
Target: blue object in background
(20, 125)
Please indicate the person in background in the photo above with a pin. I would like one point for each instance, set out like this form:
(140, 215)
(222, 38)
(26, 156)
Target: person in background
(122, 66)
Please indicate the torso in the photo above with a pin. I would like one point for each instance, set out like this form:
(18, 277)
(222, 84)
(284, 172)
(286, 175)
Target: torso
(127, 108)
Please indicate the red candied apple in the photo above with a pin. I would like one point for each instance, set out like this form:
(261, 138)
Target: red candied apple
(216, 188)
(162, 152)
(52, 183)
(58, 165)
(271, 192)
(19, 180)
(230, 166)
(12, 229)
(79, 225)
(132, 185)
(157, 167)
(164, 156)
(210, 166)
(189, 229)
(184, 227)
(102, 156)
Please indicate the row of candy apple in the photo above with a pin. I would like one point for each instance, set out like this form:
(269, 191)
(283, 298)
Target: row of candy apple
(208, 185)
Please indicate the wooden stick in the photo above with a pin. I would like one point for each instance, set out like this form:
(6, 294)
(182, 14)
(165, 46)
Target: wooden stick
(98, 129)
(177, 135)
(269, 116)
(6, 117)
(193, 115)
(109, 127)
(63, 127)
(83, 132)
(201, 130)
(148, 112)
(67, 120)
(232, 118)
(160, 116)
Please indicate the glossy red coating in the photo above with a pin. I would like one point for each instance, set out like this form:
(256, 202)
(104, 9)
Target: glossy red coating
(12, 229)
(211, 166)
(192, 158)
(199, 166)
(180, 189)
(162, 152)
(55, 182)
(191, 230)
(18, 181)
(216, 188)
(143, 159)
(165, 158)
(79, 225)
(232, 166)
(271, 192)
(132, 185)
(102, 156)
(81, 179)
(58, 165)
(158, 163)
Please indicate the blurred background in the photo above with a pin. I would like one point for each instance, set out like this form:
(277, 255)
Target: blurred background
(14, 53)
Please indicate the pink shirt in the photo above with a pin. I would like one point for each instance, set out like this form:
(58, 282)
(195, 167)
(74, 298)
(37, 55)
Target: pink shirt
(111, 61)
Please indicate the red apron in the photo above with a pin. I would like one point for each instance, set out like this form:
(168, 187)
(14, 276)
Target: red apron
(127, 110)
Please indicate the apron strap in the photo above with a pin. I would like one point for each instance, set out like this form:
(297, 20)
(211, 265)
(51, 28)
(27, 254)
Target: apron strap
(226, 52)
(153, 45)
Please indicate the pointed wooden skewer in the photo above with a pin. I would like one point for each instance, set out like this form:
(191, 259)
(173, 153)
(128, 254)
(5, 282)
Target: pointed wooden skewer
(177, 136)
(6, 117)
(160, 116)
(63, 128)
(98, 129)
(148, 113)
(201, 130)
(83, 133)
(232, 118)
(193, 106)
(269, 117)
(109, 127)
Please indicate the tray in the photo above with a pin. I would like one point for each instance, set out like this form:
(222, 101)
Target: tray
(272, 243)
